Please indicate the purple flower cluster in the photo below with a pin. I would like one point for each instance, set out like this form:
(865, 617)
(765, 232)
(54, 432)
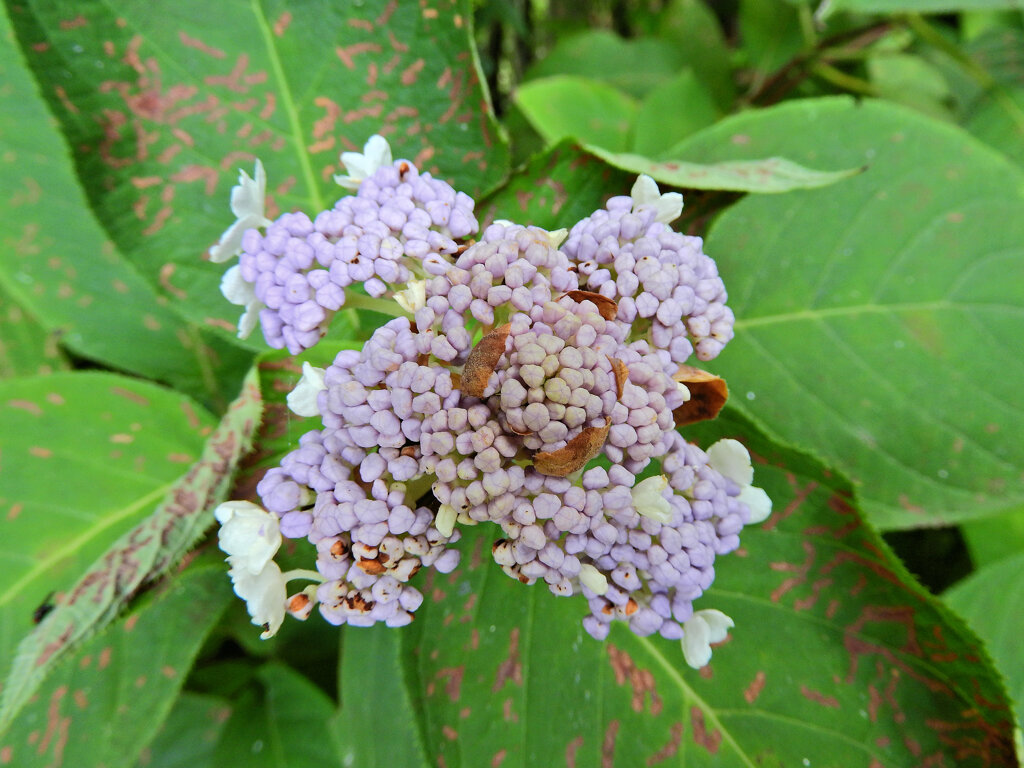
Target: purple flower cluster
(400, 224)
(667, 289)
(532, 387)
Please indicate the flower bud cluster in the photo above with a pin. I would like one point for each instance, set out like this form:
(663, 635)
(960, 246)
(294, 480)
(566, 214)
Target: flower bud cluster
(527, 385)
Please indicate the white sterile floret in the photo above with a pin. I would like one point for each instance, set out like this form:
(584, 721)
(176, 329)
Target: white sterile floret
(645, 194)
(649, 499)
(593, 579)
(303, 399)
(731, 459)
(413, 296)
(376, 154)
(247, 202)
(243, 294)
(248, 533)
(557, 236)
(264, 593)
(700, 631)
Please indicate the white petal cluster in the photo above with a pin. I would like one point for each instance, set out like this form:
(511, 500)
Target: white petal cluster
(247, 203)
(376, 154)
(731, 459)
(700, 631)
(303, 399)
(645, 194)
(650, 501)
(243, 294)
(251, 537)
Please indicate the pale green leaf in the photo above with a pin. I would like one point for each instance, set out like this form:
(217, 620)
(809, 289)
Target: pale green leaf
(589, 111)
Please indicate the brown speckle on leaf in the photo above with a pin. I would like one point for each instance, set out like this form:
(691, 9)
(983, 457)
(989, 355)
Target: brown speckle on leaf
(482, 360)
(708, 394)
(574, 455)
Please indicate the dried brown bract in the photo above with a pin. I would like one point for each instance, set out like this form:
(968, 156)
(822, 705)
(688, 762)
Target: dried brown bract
(574, 455)
(607, 307)
(482, 360)
(621, 375)
(708, 394)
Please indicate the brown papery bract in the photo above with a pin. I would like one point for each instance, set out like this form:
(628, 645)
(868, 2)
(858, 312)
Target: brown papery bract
(608, 308)
(708, 394)
(482, 360)
(574, 455)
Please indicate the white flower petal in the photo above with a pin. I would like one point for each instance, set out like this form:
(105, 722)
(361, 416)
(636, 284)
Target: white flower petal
(247, 204)
(413, 297)
(700, 631)
(248, 533)
(445, 519)
(731, 458)
(593, 579)
(645, 194)
(238, 291)
(376, 154)
(649, 499)
(557, 237)
(303, 399)
(264, 593)
(758, 501)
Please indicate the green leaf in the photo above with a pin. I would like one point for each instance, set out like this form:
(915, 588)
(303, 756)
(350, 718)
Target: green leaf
(26, 348)
(362, 710)
(992, 601)
(281, 723)
(671, 112)
(878, 318)
(590, 111)
(993, 538)
(189, 734)
(164, 108)
(774, 174)
(911, 6)
(912, 81)
(631, 66)
(104, 703)
(58, 264)
(125, 445)
(837, 657)
(770, 31)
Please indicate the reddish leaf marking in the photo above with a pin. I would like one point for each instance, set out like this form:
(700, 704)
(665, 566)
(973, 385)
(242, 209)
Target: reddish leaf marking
(754, 689)
(858, 645)
(364, 24)
(25, 405)
(570, 751)
(15, 510)
(800, 495)
(449, 733)
(282, 23)
(199, 45)
(56, 728)
(166, 273)
(907, 505)
(710, 741)
(385, 15)
(510, 668)
(801, 571)
(453, 676)
(192, 173)
(81, 699)
(498, 758)
(507, 713)
(348, 53)
(819, 698)
(410, 73)
(6, 755)
(608, 745)
(39, 452)
(670, 749)
(641, 681)
(75, 23)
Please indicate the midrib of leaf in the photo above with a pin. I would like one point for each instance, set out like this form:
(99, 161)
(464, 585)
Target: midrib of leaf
(77, 542)
(865, 309)
(288, 102)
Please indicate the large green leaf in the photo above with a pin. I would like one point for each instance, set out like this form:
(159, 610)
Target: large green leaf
(912, 6)
(164, 103)
(189, 734)
(116, 449)
(878, 318)
(58, 265)
(573, 107)
(837, 658)
(105, 702)
(992, 601)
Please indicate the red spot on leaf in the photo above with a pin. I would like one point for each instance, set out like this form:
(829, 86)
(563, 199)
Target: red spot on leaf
(199, 45)
(282, 23)
(608, 745)
(570, 751)
(754, 689)
(710, 741)
(819, 698)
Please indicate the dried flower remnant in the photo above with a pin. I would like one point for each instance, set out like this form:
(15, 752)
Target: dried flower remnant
(519, 365)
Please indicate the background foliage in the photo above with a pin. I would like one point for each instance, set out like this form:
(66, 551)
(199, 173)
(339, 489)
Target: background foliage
(855, 169)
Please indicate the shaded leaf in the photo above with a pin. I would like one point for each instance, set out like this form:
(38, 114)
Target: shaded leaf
(992, 601)
(104, 703)
(571, 107)
(163, 107)
(877, 317)
(773, 174)
(58, 264)
(670, 113)
(146, 551)
(837, 657)
(189, 734)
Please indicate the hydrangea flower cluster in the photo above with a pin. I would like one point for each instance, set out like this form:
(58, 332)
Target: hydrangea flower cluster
(528, 380)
